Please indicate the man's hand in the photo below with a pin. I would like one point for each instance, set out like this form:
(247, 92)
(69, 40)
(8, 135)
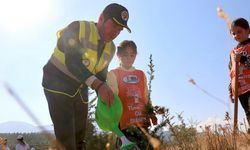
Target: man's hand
(106, 94)
(103, 90)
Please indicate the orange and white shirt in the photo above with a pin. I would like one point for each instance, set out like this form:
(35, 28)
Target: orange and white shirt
(244, 69)
(131, 86)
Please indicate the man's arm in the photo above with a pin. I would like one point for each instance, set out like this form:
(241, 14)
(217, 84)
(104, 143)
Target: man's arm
(70, 44)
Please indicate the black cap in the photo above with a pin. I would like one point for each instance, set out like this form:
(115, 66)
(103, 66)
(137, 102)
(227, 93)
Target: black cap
(118, 13)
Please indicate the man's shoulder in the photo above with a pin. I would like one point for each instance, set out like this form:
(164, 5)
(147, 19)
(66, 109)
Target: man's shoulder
(74, 25)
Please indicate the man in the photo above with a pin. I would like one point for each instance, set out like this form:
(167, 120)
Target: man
(80, 60)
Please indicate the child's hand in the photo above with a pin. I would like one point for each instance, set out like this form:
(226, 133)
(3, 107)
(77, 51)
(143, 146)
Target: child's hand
(154, 119)
(231, 97)
(237, 57)
(230, 93)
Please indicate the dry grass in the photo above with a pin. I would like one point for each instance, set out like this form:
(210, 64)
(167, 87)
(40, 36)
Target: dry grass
(187, 137)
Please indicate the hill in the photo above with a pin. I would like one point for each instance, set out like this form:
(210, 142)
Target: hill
(21, 127)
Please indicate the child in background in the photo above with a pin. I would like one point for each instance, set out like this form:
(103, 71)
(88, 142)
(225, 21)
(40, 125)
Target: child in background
(130, 85)
(21, 144)
(241, 53)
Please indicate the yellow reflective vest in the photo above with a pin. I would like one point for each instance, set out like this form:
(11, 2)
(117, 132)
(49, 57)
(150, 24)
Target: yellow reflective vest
(88, 37)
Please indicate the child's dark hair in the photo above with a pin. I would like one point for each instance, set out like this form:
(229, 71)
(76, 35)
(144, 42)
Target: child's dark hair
(125, 44)
(240, 22)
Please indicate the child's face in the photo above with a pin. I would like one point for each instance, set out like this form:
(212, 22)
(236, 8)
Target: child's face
(239, 34)
(127, 58)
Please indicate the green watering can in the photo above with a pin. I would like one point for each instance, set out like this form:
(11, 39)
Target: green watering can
(108, 118)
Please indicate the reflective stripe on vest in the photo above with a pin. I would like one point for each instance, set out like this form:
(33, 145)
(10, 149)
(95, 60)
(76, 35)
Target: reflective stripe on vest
(88, 37)
(64, 69)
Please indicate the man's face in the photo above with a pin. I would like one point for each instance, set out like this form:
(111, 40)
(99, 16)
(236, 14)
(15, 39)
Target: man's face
(110, 30)
(239, 34)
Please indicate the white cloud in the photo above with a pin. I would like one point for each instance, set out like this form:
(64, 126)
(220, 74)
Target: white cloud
(215, 122)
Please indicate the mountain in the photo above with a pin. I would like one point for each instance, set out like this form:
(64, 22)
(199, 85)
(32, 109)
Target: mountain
(22, 127)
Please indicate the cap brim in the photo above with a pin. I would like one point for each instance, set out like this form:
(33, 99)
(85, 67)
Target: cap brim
(127, 29)
(122, 25)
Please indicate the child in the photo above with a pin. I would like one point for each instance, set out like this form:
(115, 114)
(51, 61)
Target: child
(241, 53)
(130, 85)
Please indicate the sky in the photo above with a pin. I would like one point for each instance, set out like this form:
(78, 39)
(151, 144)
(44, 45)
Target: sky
(187, 40)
